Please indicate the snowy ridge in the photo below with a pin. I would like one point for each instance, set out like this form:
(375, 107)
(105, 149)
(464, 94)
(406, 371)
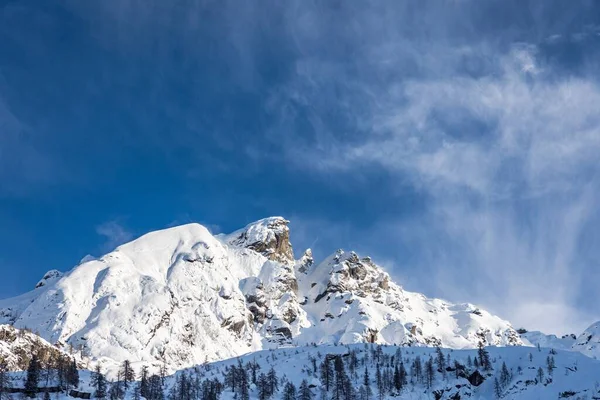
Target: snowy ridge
(588, 342)
(181, 297)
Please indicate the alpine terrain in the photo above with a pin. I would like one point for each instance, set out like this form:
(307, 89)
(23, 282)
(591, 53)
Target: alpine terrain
(186, 303)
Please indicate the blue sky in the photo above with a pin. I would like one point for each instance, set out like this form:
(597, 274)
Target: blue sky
(454, 141)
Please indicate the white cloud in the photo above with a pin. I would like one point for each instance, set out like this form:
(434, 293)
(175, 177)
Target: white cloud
(508, 159)
(114, 233)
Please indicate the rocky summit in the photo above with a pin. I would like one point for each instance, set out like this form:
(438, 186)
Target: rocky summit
(182, 296)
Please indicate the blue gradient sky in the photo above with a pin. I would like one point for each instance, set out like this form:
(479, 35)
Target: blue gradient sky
(456, 142)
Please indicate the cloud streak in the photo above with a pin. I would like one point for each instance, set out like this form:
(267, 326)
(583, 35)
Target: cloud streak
(114, 233)
(505, 149)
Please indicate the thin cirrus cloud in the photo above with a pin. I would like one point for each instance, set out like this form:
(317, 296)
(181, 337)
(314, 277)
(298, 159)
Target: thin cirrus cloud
(508, 158)
(114, 234)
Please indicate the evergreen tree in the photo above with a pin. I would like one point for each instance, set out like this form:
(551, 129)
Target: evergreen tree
(98, 382)
(429, 373)
(484, 357)
(73, 374)
(403, 374)
(550, 364)
(440, 360)
(326, 373)
(137, 392)
(367, 385)
(144, 387)
(540, 375)
(116, 391)
(273, 381)
(304, 392)
(379, 382)
(33, 376)
(504, 376)
(155, 388)
(343, 389)
(127, 374)
(497, 388)
(4, 381)
(244, 385)
(263, 387)
(417, 370)
(289, 391)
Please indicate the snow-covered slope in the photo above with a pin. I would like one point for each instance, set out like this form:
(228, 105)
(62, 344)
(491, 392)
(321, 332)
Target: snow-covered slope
(182, 296)
(401, 373)
(572, 374)
(537, 338)
(588, 342)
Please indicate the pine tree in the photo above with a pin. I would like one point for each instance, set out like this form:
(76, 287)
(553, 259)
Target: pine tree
(273, 381)
(144, 388)
(33, 376)
(440, 359)
(4, 381)
(244, 385)
(137, 392)
(504, 376)
(127, 374)
(379, 382)
(263, 387)
(550, 364)
(289, 391)
(429, 373)
(155, 388)
(304, 392)
(417, 370)
(98, 383)
(367, 385)
(540, 375)
(497, 388)
(73, 374)
(326, 373)
(484, 357)
(403, 375)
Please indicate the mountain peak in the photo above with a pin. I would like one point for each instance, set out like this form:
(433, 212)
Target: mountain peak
(268, 236)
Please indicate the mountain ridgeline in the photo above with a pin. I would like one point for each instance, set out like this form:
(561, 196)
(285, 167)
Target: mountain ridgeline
(182, 296)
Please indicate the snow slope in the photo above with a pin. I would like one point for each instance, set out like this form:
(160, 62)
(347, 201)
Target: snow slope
(572, 374)
(588, 342)
(536, 338)
(182, 296)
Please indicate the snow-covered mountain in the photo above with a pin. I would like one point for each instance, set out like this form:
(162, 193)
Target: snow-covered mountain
(537, 338)
(588, 342)
(182, 296)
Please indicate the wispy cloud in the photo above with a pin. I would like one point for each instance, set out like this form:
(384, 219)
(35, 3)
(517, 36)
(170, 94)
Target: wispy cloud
(507, 157)
(114, 233)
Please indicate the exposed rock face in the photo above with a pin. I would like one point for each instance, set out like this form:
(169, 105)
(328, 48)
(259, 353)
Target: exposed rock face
(305, 262)
(49, 276)
(269, 237)
(185, 296)
(357, 300)
(476, 378)
(18, 345)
